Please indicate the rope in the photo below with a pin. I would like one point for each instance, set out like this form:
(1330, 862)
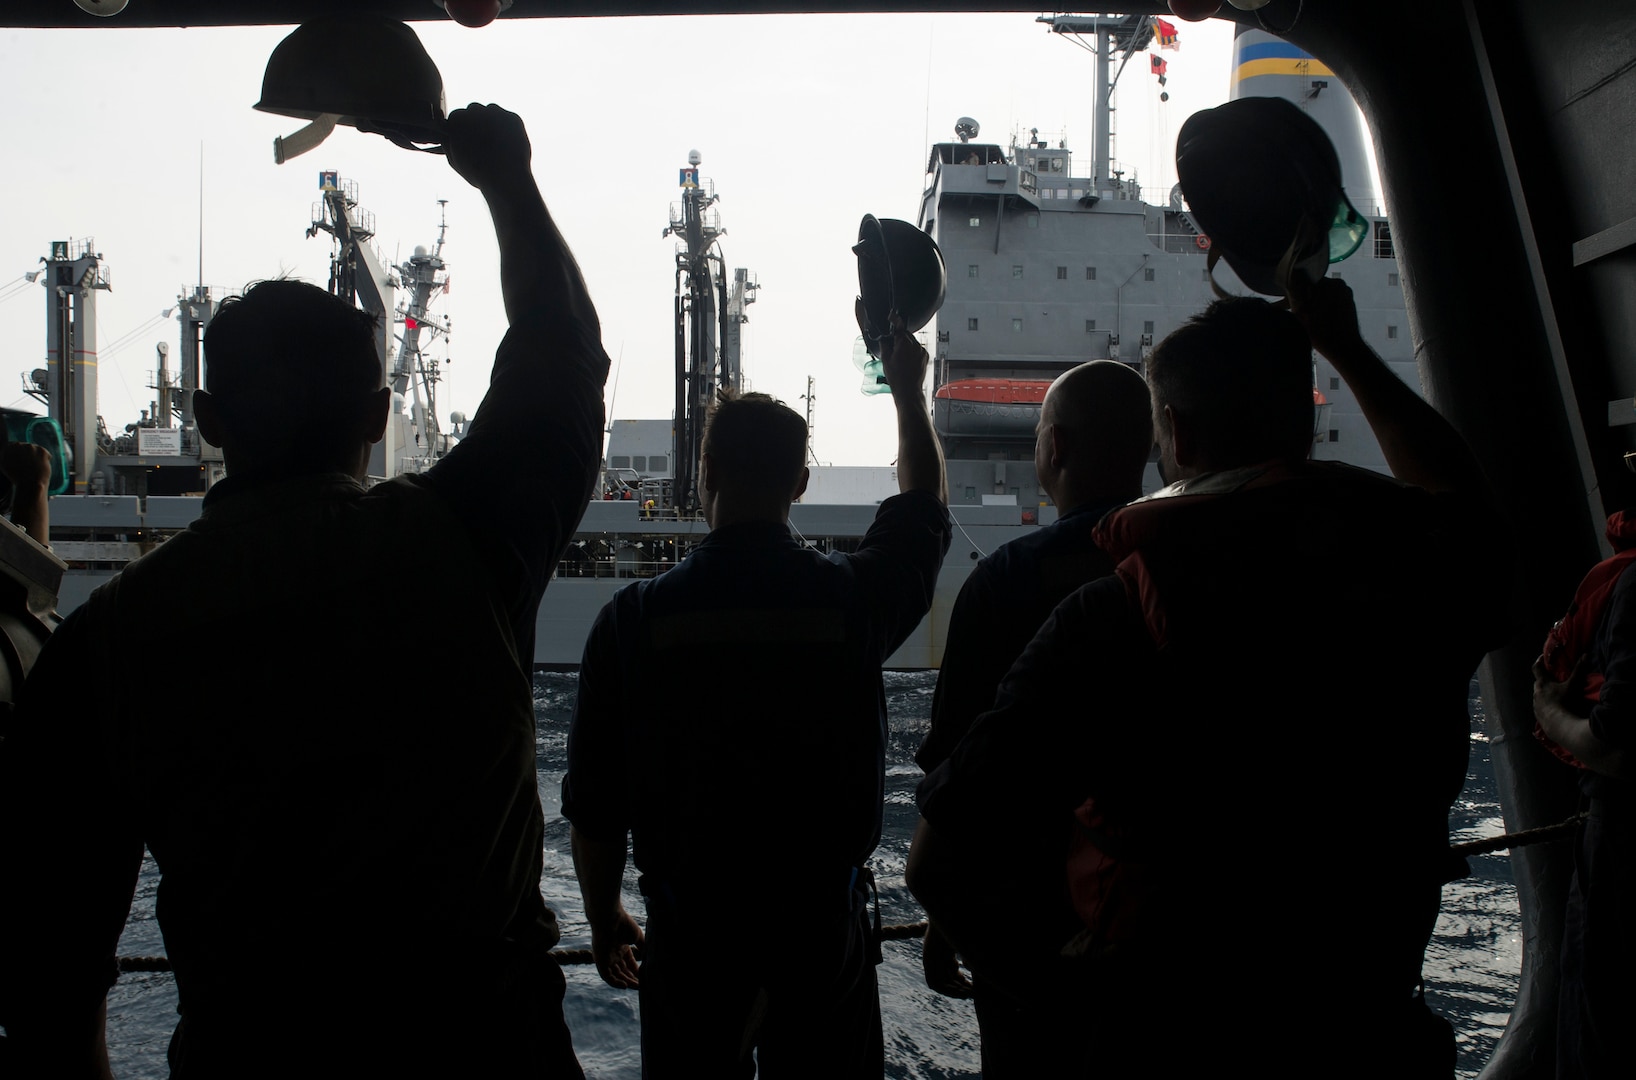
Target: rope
(564, 957)
(1541, 835)
(911, 931)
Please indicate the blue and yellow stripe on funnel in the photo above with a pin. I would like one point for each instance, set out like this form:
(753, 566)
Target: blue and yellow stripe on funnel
(1275, 58)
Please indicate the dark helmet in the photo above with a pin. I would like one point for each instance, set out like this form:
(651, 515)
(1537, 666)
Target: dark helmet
(899, 269)
(372, 72)
(1264, 182)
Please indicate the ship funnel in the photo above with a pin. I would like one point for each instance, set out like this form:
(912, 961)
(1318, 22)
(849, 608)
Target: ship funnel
(900, 270)
(362, 71)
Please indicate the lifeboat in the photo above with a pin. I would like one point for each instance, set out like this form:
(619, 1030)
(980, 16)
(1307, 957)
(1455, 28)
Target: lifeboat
(992, 408)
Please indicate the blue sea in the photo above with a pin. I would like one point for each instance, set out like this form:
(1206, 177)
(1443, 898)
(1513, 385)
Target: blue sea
(1471, 971)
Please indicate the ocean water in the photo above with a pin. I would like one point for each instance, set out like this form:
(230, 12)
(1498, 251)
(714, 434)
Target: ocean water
(1471, 970)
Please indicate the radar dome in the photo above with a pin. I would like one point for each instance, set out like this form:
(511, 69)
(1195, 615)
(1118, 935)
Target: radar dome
(694, 157)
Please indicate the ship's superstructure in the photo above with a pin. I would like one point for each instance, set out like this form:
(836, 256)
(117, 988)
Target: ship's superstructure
(1048, 269)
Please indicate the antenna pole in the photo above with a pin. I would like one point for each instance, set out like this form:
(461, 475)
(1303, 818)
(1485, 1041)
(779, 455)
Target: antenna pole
(201, 214)
(811, 399)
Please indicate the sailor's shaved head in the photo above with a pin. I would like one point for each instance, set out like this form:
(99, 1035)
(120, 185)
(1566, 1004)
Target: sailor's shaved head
(1095, 434)
(1105, 402)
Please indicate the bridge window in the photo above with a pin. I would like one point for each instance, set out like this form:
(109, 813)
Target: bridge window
(639, 462)
(659, 462)
(619, 461)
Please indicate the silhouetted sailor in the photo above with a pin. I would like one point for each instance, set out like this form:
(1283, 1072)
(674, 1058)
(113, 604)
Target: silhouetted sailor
(314, 706)
(1093, 441)
(1585, 703)
(1276, 629)
(731, 718)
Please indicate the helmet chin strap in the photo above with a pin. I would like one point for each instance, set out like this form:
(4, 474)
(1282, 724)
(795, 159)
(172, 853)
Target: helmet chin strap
(314, 134)
(1290, 273)
(406, 137)
(308, 138)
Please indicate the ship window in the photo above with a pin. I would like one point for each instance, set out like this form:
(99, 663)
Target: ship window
(639, 462)
(971, 324)
(1078, 192)
(1334, 382)
(1016, 325)
(1147, 327)
(974, 222)
(971, 271)
(1016, 270)
(1031, 220)
(1062, 273)
(1391, 331)
(1090, 273)
(1056, 164)
(1090, 326)
(619, 461)
(1391, 279)
(1147, 275)
(1047, 193)
(1334, 434)
(659, 463)
(971, 495)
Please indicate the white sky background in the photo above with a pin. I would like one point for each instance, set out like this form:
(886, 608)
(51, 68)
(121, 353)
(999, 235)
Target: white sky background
(805, 124)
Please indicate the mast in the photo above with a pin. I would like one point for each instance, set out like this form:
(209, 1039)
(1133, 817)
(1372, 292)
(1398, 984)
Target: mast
(1110, 34)
(700, 281)
(416, 373)
(355, 271)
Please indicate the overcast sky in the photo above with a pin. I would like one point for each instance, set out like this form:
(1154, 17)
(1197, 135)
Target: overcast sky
(805, 124)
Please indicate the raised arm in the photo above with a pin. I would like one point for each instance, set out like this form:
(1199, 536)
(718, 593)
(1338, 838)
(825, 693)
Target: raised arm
(920, 455)
(1420, 446)
(489, 147)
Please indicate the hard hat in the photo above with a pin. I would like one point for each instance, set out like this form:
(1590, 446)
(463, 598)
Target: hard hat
(1264, 182)
(365, 71)
(900, 269)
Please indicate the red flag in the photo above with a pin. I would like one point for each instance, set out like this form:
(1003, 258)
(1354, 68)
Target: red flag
(1158, 64)
(1166, 33)
(409, 322)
